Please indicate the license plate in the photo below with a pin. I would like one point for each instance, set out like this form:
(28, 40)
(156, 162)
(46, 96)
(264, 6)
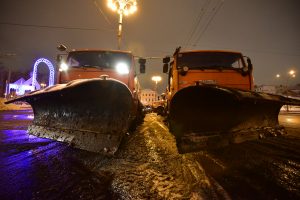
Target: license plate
(210, 82)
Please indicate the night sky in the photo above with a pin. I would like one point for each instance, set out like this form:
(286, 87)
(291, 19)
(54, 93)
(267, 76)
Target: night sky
(268, 31)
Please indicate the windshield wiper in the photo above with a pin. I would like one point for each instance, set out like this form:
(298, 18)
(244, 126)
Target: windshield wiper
(92, 66)
(201, 68)
(88, 66)
(220, 67)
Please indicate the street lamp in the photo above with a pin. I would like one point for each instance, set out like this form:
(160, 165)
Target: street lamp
(292, 74)
(156, 79)
(123, 7)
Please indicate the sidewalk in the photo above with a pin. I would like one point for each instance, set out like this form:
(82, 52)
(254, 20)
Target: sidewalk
(12, 106)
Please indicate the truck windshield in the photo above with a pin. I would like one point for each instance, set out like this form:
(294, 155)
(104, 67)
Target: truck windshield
(98, 59)
(210, 60)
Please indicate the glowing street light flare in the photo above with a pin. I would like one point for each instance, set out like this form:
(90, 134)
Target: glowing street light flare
(292, 72)
(133, 9)
(277, 75)
(111, 5)
(156, 79)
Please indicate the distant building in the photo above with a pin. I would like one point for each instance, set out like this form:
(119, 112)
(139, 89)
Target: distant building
(271, 89)
(148, 97)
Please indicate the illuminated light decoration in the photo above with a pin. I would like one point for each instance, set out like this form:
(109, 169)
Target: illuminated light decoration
(122, 68)
(51, 70)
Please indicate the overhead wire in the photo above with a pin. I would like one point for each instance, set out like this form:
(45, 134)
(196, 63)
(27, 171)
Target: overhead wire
(54, 27)
(197, 22)
(102, 13)
(216, 9)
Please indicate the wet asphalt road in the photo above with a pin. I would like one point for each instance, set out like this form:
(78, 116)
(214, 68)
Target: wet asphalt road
(147, 166)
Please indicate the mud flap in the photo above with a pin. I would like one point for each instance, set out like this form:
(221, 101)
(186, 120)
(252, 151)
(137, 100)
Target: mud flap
(90, 114)
(210, 116)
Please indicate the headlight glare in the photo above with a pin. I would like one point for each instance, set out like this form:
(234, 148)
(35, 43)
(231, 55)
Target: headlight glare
(63, 67)
(122, 68)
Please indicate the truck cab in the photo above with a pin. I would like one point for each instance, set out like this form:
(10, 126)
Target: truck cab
(224, 68)
(86, 64)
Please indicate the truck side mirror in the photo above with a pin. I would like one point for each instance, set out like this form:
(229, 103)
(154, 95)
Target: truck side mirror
(165, 68)
(61, 47)
(247, 69)
(142, 62)
(250, 66)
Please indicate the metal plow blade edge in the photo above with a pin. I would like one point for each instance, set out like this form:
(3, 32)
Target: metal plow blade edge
(90, 114)
(210, 116)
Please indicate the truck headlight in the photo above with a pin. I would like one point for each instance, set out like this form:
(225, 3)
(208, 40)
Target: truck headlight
(63, 67)
(122, 68)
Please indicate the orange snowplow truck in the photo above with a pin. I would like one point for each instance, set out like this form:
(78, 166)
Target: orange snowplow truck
(95, 103)
(211, 102)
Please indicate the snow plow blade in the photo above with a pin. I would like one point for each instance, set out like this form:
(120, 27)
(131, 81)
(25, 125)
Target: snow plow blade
(210, 116)
(90, 114)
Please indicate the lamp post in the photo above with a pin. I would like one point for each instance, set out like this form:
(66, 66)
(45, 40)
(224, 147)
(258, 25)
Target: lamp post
(156, 79)
(291, 74)
(123, 7)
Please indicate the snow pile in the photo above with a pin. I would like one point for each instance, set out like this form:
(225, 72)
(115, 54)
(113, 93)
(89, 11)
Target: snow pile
(290, 109)
(12, 106)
